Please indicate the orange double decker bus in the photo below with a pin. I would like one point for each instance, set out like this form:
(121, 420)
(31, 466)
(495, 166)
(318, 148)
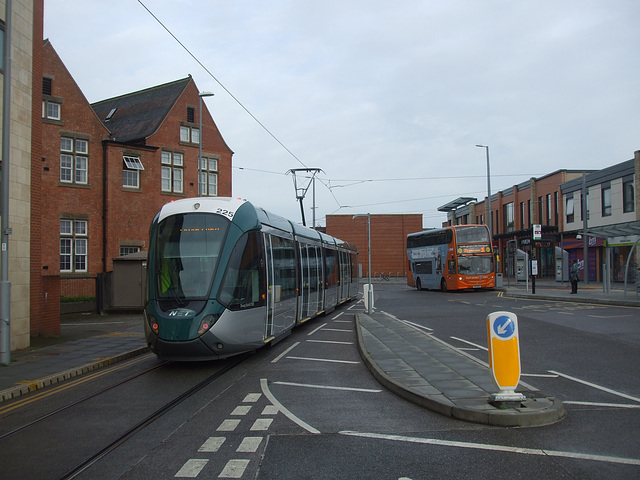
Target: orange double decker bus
(452, 258)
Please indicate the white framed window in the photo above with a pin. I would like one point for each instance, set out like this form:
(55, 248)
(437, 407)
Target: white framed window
(73, 245)
(606, 201)
(133, 163)
(209, 177)
(568, 209)
(131, 171)
(74, 162)
(82, 146)
(131, 178)
(185, 134)
(82, 165)
(628, 196)
(189, 134)
(172, 172)
(51, 110)
(66, 144)
(66, 168)
(128, 250)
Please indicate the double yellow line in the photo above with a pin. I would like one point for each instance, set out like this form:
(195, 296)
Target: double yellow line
(67, 385)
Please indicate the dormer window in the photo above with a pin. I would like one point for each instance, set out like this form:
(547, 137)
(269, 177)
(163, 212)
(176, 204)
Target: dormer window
(110, 114)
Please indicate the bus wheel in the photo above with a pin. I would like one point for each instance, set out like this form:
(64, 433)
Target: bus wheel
(418, 284)
(443, 285)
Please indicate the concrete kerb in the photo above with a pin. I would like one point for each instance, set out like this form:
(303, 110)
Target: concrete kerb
(39, 384)
(554, 298)
(533, 412)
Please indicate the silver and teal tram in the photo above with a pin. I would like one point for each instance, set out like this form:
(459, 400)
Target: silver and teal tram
(225, 277)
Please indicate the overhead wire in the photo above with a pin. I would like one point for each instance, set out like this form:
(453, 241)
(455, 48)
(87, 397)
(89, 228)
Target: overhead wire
(326, 183)
(262, 125)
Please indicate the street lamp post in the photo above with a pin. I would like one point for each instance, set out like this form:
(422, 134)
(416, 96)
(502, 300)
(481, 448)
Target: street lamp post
(486, 147)
(202, 94)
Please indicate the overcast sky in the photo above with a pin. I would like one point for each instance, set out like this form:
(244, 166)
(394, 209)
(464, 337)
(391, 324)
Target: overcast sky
(389, 99)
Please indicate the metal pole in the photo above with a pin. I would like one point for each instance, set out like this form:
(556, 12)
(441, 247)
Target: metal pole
(5, 285)
(313, 225)
(489, 195)
(200, 95)
(490, 222)
(200, 145)
(369, 241)
(585, 241)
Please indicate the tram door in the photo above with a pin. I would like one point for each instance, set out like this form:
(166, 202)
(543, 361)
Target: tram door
(315, 280)
(303, 305)
(309, 281)
(271, 304)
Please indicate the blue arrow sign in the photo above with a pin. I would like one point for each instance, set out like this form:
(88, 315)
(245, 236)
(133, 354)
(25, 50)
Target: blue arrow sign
(504, 327)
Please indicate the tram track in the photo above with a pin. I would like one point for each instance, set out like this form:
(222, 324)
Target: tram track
(81, 400)
(93, 427)
(158, 413)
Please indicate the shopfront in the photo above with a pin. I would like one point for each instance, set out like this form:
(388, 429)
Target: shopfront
(595, 255)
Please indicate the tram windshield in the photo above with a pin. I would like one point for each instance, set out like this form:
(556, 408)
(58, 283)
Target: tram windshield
(188, 249)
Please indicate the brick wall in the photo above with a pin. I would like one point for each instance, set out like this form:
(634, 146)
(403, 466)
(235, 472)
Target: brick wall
(37, 308)
(70, 201)
(116, 216)
(388, 240)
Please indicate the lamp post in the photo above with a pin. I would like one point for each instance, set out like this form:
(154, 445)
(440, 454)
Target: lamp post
(370, 286)
(486, 147)
(202, 94)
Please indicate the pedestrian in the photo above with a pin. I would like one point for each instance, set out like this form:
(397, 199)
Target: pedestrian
(574, 277)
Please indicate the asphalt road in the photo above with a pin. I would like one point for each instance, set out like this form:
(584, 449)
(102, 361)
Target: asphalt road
(332, 420)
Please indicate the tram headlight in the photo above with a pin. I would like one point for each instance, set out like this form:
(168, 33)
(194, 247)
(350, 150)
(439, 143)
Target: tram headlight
(207, 322)
(153, 323)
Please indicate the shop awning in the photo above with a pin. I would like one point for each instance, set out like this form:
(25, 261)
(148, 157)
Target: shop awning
(617, 230)
(458, 202)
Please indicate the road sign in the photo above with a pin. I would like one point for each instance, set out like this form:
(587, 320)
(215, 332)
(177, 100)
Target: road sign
(504, 354)
(537, 232)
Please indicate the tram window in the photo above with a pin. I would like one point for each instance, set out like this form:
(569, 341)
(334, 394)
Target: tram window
(331, 259)
(243, 286)
(284, 265)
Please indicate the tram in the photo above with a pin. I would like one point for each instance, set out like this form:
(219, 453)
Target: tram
(225, 277)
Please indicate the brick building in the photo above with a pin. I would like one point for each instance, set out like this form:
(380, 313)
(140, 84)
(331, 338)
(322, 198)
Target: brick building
(555, 201)
(103, 171)
(388, 240)
(513, 213)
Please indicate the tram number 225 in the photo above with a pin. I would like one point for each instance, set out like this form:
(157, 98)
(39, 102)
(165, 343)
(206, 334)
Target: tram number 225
(226, 213)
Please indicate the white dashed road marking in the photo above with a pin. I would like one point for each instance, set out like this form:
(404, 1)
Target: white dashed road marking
(192, 468)
(212, 444)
